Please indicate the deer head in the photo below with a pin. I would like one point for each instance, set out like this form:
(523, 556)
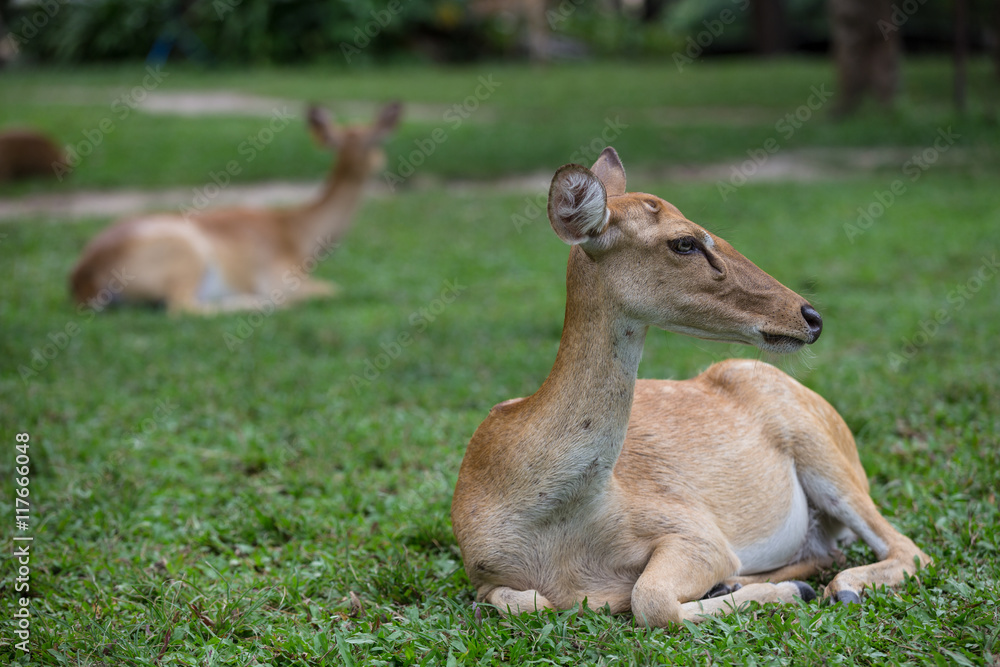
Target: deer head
(359, 146)
(664, 270)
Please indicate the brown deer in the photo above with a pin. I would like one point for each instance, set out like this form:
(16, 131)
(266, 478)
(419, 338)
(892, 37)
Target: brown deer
(648, 496)
(236, 258)
(29, 154)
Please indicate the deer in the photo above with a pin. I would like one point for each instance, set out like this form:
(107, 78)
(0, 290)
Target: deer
(236, 258)
(26, 153)
(672, 500)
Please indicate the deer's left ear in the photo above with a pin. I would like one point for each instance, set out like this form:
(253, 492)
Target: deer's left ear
(611, 171)
(578, 204)
(322, 127)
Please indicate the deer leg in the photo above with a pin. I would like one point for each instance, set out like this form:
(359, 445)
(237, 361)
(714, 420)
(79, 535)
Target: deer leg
(182, 296)
(801, 570)
(723, 588)
(840, 490)
(898, 555)
(829, 469)
(230, 304)
(508, 601)
(313, 288)
(682, 568)
(783, 592)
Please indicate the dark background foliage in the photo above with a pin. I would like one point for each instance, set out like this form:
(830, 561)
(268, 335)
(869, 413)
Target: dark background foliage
(294, 31)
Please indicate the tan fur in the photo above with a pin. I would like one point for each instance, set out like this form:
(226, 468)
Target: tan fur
(235, 258)
(28, 154)
(645, 495)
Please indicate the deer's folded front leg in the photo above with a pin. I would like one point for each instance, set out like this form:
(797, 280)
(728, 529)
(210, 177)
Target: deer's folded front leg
(680, 572)
(682, 568)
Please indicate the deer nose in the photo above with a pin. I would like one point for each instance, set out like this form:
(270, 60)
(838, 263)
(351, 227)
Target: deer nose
(815, 322)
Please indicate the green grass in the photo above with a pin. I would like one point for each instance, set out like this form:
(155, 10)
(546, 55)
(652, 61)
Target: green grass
(532, 119)
(196, 501)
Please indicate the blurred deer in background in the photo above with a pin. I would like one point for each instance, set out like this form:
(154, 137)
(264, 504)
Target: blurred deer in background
(28, 154)
(235, 258)
(671, 500)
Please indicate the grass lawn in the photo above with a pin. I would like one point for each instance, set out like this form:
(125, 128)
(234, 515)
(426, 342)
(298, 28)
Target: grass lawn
(496, 119)
(274, 489)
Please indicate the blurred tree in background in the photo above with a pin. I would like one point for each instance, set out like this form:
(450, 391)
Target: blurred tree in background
(296, 31)
(360, 31)
(866, 50)
(865, 37)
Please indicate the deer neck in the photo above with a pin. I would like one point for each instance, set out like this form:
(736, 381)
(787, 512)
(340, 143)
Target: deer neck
(324, 222)
(586, 401)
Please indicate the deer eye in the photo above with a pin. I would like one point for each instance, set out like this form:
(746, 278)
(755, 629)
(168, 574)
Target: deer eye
(651, 205)
(685, 245)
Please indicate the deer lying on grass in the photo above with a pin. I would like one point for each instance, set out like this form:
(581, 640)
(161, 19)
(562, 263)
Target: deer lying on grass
(236, 258)
(28, 154)
(649, 495)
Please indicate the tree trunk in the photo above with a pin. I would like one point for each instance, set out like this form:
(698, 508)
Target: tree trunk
(768, 26)
(6, 52)
(652, 10)
(866, 49)
(996, 37)
(961, 51)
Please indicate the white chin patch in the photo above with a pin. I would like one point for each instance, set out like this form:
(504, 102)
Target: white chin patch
(780, 344)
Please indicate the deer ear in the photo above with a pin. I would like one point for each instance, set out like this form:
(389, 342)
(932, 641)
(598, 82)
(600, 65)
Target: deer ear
(578, 204)
(610, 170)
(321, 126)
(386, 121)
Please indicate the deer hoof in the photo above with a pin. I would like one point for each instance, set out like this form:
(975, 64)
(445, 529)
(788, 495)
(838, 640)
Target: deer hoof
(846, 597)
(806, 591)
(722, 588)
